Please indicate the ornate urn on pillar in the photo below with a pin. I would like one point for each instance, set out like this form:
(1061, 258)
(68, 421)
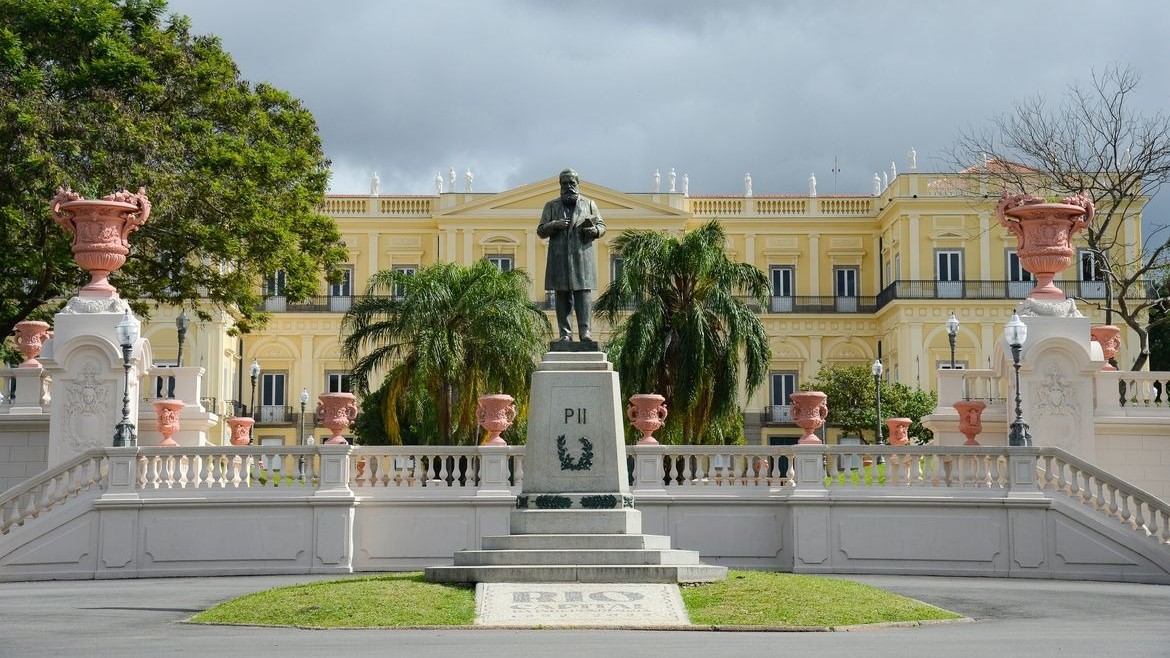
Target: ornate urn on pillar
(899, 431)
(241, 430)
(1109, 337)
(336, 411)
(30, 338)
(1044, 235)
(167, 413)
(647, 412)
(100, 230)
(495, 414)
(970, 419)
(809, 412)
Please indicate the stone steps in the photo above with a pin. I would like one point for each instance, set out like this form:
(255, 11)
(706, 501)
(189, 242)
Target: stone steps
(583, 542)
(574, 556)
(697, 573)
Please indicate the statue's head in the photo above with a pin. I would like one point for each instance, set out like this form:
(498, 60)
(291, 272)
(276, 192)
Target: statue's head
(570, 186)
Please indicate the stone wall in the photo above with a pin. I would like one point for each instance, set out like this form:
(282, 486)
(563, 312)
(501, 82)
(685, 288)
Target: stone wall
(24, 449)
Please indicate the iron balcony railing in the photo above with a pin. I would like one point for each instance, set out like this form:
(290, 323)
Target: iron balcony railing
(812, 304)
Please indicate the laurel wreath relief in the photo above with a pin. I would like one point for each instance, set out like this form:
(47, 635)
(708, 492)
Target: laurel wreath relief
(583, 463)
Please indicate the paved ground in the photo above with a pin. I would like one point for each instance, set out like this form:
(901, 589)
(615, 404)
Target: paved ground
(1030, 618)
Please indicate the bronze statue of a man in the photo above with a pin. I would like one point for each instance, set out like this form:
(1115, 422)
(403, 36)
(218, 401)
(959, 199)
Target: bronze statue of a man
(572, 224)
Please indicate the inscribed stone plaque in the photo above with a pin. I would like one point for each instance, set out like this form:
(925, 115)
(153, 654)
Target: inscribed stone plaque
(579, 604)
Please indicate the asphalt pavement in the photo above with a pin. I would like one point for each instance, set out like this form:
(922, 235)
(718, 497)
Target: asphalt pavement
(1010, 617)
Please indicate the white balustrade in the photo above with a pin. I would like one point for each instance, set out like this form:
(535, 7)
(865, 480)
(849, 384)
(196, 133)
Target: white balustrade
(84, 473)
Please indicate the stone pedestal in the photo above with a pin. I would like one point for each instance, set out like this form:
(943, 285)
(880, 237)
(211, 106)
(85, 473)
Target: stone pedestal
(575, 519)
(84, 361)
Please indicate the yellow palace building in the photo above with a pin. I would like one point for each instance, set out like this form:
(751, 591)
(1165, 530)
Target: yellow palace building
(855, 278)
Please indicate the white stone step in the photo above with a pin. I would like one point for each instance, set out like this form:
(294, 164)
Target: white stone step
(607, 557)
(569, 522)
(585, 542)
(697, 573)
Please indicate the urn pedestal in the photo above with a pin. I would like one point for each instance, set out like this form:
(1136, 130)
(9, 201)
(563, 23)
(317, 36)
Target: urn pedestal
(647, 412)
(167, 414)
(100, 230)
(241, 430)
(336, 411)
(1109, 338)
(495, 413)
(970, 419)
(809, 412)
(899, 431)
(1044, 241)
(30, 338)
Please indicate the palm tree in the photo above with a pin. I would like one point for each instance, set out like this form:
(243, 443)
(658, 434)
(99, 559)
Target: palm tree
(443, 337)
(688, 329)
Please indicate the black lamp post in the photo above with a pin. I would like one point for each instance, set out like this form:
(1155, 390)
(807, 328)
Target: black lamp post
(301, 459)
(876, 369)
(952, 334)
(254, 371)
(127, 331)
(181, 324)
(1015, 332)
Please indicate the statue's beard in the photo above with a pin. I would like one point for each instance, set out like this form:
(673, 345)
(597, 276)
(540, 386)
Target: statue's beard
(570, 198)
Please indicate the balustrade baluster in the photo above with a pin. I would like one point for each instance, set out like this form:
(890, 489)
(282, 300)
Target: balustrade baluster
(1124, 514)
(687, 480)
(518, 478)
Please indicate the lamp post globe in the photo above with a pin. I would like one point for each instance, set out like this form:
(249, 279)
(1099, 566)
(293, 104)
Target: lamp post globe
(301, 439)
(877, 369)
(1015, 332)
(952, 335)
(127, 331)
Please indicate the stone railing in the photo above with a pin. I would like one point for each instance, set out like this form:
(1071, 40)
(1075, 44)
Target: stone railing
(84, 473)
(391, 471)
(737, 206)
(1136, 393)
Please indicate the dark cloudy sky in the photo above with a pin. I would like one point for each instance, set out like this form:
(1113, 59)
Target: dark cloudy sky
(517, 89)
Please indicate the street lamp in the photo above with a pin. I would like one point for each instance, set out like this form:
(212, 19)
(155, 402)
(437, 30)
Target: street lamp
(181, 324)
(301, 458)
(876, 369)
(1015, 332)
(254, 371)
(952, 334)
(127, 331)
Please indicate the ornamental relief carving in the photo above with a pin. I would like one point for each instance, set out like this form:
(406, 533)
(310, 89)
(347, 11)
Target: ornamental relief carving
(1059, 406)
(87, 407)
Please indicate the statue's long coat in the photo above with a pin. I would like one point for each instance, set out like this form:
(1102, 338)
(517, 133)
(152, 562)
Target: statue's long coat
(572, 259)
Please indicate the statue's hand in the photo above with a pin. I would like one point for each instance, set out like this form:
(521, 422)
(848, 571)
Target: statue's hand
(589, 232)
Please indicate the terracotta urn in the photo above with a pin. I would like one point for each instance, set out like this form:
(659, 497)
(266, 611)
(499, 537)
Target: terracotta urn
(167, 414)
(30, 338)
(495, 414)
(970, 419)
(241, 430)
(809, 411)
(899, 431)
(1109, 337)
(1044, 235)
(101, 229)
(336, 411)
(647, 412)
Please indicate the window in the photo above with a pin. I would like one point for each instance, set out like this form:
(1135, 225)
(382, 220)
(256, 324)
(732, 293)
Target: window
(782, 286)
(274, 285)
(1020, 281)
(273, 397)
(617, 266)
(948, 272)
(341, 293)
(845, 288)
(408, 270)
(274, 292)
(337, 382)
(783, 385)
(1092, 284)
(502, 263)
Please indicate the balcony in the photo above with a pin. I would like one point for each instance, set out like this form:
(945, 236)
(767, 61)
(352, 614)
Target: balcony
(274, 413)
(778, 413)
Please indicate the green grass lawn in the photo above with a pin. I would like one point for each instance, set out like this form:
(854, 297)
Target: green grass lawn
(746, 598)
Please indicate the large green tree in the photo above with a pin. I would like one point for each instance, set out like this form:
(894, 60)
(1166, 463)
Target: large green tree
(101, 94)
(690, 328)
(429, 344)
(852, 401)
